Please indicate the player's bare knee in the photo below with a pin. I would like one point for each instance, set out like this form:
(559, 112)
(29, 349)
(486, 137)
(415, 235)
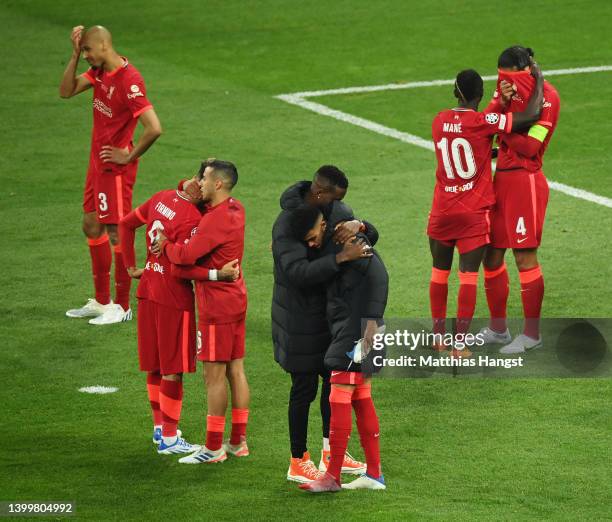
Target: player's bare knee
(214, 373)
(235, 370)
(173, 377)
(91, 227)
(526, 259)
(113, 234)
(494, 258)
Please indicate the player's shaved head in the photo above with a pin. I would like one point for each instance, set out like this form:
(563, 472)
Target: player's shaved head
(97, 34)
(97, 47)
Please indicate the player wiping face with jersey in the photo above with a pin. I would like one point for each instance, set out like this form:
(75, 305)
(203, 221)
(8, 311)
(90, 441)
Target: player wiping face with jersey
(463, 195)
(521, 192)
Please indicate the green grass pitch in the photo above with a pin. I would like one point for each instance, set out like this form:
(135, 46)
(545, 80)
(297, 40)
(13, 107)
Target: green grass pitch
(463, 449)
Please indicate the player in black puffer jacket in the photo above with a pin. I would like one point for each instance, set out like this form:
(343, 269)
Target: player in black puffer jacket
(358, 296)
(300, 331)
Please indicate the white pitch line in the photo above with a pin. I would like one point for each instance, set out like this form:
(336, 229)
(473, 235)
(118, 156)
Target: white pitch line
(359, 122)
(580, 194)
(299, 99)
(434, 83)
(99, 390)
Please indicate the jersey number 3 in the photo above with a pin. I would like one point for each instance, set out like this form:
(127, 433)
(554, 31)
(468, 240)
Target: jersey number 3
(459, 147)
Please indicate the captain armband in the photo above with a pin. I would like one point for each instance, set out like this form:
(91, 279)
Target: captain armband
(538, 132)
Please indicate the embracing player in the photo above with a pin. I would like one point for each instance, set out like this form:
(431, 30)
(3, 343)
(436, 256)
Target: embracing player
(166, 316)
(521, 193)
(119, 102)
(219, 239)
(463, 195)
(356, 302)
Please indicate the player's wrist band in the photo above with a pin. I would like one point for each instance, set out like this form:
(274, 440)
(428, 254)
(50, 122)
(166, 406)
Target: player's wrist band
(212, 275)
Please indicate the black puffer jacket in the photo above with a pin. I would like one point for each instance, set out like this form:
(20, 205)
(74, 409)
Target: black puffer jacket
(359, 291)
(300, 330)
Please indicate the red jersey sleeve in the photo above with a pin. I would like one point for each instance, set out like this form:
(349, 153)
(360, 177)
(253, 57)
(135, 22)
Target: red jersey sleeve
(90, 75)
(136, 218)
(196, 273)
(495, 105)
(204, 241)
(490, 123)
(547, 116)
(136, 94)
(525, 145)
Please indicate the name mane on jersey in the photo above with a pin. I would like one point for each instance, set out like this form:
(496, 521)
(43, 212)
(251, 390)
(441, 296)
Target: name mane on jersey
(451, 127)
(165, 211)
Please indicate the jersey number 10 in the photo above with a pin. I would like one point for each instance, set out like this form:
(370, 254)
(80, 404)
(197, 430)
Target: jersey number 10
(457, 146)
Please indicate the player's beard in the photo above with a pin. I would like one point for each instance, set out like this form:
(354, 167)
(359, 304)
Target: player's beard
(524, 84)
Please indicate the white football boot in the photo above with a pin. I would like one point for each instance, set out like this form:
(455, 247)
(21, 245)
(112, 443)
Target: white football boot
(492, 337)
(520, 344)
(91, 309)
(180, 445)
(114, 313)
(205, 456)
(366, 482)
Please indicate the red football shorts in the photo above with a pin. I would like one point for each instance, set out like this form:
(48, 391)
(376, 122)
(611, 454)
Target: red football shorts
(338, 377)
(467, 231)
(108, 190)
(221, 342)
(517, 220)
(166, 338)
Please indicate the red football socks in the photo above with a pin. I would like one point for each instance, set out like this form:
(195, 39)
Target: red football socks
(466, 304)
(532, 295)
(153, 383)
(497, 289)
(215, 426)
(122, 280)
(240, 417)
(99, 249)
(170, 402)
(438, 293)
(368, 427)
(340, 425)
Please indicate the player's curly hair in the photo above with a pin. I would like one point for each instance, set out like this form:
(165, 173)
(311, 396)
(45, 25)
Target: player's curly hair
(515, 56)
(302, 219)
(468, 86)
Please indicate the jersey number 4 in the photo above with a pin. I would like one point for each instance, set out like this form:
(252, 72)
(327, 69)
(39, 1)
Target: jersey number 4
(459, 147)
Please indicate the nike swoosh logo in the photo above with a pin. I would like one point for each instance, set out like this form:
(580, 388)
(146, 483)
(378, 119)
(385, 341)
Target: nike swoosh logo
(102, 217)
(521, 240)
(333, 374)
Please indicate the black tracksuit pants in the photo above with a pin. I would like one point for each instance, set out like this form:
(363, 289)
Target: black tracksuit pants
(304, 388)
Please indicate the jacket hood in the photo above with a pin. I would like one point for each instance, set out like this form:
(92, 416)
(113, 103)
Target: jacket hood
(293, 197)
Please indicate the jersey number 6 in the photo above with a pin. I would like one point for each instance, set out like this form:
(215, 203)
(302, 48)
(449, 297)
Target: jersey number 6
(457, 145)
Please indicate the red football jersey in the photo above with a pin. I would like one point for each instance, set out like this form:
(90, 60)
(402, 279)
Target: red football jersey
(509, 159)
(219, 239)
(463, 140)
(171, 213)
(119, 97)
